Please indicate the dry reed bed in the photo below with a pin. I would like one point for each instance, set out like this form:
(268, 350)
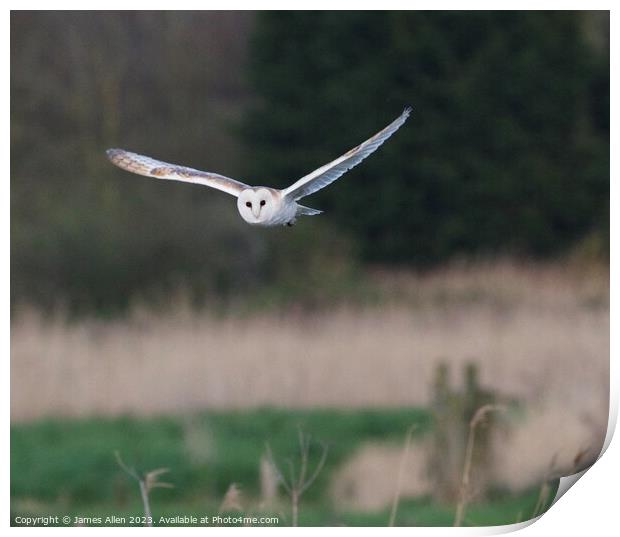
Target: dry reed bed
(538, 334)
(342, 358)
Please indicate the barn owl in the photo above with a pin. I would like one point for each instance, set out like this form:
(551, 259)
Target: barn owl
(261, 205)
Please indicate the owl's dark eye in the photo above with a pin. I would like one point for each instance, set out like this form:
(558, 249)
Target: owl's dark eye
(262, 202)
(248, 204)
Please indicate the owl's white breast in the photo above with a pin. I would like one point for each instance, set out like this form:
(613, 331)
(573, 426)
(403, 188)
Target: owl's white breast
(286, 211)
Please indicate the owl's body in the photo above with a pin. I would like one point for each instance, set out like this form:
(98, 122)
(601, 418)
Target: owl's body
(260, 206)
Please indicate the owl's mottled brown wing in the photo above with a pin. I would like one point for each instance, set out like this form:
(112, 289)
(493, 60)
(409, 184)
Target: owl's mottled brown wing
(149, 167)
(327, 174)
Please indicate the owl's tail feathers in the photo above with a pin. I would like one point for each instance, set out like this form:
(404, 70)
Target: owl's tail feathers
(307, 211)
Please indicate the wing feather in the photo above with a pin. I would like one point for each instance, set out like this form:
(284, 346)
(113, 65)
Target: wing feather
(327, 174)
(149, 167)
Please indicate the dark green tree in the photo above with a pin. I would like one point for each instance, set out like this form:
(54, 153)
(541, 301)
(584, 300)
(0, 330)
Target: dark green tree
(507, 150)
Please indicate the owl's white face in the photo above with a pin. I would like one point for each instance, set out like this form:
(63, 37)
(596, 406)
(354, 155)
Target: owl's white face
(257, 205)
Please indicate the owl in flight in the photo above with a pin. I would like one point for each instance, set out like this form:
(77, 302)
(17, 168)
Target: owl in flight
(261, 205)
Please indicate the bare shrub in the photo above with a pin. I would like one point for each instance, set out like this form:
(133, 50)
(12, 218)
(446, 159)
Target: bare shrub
(299, 479)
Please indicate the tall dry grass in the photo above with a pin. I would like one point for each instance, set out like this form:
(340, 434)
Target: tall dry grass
(539, 333)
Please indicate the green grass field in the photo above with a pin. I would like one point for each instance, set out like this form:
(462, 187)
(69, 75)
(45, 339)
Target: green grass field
(68, 467)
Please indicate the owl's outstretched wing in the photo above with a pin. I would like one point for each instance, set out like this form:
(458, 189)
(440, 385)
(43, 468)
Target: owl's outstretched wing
(327, 174)
(132, 162)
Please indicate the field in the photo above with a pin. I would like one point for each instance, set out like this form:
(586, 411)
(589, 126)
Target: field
(71, 469)
(202, 393)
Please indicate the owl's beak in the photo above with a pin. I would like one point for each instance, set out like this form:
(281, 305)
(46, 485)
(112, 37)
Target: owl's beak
(255, 210)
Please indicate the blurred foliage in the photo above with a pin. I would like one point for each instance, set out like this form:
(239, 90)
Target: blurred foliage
(68, 467)
(453, 411)
(507, 149)
(88, 237)
(82, 232)
(205, 453)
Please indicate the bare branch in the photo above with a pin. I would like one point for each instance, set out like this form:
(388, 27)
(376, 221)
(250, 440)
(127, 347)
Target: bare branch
(291, 470)
(129, 471)
(401, 471)
(304, 447)
(146, 484)
(276, 469)
(298, 483)
(151, 479)
(317, 470)
(478, 418)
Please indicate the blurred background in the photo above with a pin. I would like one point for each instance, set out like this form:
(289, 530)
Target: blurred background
(463, 264)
